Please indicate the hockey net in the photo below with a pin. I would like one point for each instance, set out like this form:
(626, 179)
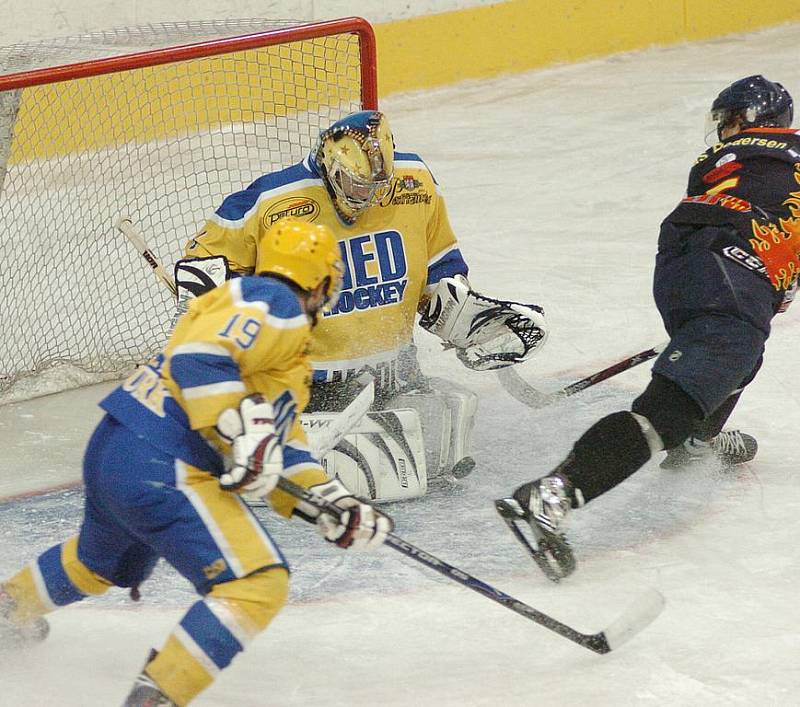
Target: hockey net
(158, 124)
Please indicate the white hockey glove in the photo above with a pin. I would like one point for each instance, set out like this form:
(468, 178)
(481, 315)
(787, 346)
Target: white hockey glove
(256, 454)
(360, 526)
(487, 333)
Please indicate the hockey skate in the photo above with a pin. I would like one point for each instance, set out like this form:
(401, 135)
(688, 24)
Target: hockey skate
(729, 448)
(14, 635)
(533, 514)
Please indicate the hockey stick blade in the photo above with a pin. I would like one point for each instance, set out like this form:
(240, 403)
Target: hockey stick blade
(637, 617)
(518, 388)
(623, 629)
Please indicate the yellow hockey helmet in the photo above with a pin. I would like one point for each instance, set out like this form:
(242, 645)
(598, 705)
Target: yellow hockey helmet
(355, 157)
(304, 253)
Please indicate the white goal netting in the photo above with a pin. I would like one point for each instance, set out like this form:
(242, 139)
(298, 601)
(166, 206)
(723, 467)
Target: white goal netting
(161, 140)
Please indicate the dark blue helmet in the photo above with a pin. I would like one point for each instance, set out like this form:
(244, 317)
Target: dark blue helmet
(752, 102)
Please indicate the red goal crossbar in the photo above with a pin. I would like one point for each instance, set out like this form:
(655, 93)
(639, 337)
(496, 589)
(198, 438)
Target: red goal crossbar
(215, 47)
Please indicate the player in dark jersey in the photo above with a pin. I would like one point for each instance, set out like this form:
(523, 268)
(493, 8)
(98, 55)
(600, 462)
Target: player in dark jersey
(727, 262)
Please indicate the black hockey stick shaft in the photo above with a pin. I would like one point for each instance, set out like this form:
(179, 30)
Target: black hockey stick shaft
(598, 642)
(613, 370)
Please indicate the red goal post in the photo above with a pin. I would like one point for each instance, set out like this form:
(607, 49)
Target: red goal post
(157, 123)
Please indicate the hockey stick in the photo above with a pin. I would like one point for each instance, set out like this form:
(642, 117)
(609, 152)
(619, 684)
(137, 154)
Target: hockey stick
(125, 226)
(631, 622)
(516, 386)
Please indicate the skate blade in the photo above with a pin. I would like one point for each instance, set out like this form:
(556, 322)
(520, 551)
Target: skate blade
(549, 551)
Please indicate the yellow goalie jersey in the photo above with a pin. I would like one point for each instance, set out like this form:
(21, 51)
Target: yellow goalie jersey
(248, 336)
(391, 253)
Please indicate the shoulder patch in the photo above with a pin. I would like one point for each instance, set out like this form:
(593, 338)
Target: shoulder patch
(235, 206)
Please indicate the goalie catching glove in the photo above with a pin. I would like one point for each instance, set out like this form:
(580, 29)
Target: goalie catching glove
(351, 523)
(487, 333)
(256, 460)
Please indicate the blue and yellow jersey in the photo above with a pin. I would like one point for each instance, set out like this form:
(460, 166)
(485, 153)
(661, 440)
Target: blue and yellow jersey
(247, 336)
(391, 254)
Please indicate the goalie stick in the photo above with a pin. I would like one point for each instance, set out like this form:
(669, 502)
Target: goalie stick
(516, 386)
(125, 226)
(631, 622)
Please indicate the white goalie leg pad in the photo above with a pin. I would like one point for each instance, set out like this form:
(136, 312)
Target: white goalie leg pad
(448, 415)
(382, 459)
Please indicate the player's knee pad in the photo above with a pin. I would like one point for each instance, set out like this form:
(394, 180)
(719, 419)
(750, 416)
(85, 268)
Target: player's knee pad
(253, 601)
(383, 458)
(671, 412)
(448, 416)
(83, 579)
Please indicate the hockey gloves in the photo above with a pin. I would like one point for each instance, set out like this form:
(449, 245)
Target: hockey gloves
(256, 454)
(358, 525)
(487, 333)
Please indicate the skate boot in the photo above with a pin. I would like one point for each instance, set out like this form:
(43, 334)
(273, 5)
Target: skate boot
(534, 513)
(15, 635)
(729, 447)
(145, 693)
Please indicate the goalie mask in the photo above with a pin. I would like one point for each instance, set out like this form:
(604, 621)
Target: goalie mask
(303, 253)
(355, 157)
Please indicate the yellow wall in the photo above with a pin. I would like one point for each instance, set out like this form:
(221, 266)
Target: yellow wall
(417, 53)
(518, 35)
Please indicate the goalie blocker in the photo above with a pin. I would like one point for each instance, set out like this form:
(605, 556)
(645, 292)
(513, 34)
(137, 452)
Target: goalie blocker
(195, 276)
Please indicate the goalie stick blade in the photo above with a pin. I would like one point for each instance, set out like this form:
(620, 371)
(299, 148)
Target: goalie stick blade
(548, 550)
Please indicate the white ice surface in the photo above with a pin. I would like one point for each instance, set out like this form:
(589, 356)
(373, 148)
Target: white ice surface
(556, 183)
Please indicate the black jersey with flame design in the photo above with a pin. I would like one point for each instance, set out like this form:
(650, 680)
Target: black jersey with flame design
(751, 181)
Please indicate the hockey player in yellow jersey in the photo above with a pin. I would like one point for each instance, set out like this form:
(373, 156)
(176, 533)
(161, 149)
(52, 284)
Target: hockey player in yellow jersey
(401, 259)
(213, 416)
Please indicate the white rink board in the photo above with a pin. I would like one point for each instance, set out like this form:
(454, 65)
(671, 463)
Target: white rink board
(45, 19)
